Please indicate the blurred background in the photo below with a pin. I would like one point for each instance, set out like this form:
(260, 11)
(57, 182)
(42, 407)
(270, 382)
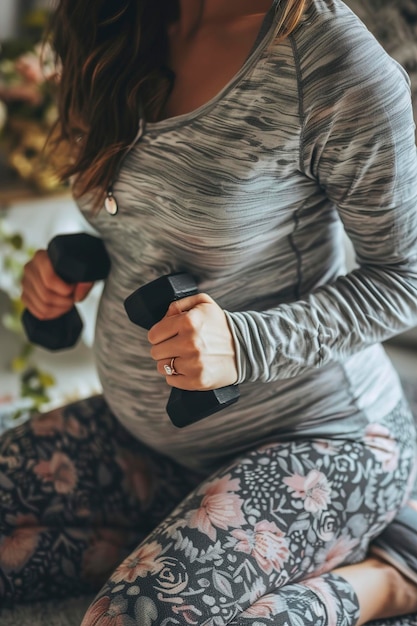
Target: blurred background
(27, 86)
(34, 206)
(12, 15)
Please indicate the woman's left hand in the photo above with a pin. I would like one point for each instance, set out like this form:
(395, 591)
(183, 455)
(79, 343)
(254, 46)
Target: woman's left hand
(196, 334)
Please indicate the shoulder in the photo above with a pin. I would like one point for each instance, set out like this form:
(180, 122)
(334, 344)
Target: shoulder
(334, 27)
(335, 51)
(353, 96)
(346, 80)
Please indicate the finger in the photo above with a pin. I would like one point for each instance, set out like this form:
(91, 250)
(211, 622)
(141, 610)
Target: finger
(176, 345)
(186, 383)
(168, 326)
(174, 309)
(81, 291)
(49, 277)
(41, 310)
(186, 304)
(41, 301)
(33, 288)
(45, 316)
(165, 367)
(180, 379)
(191, 368)
(39, 274)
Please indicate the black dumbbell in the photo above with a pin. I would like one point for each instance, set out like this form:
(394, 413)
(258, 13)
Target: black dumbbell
(147, 306)
(76, 258)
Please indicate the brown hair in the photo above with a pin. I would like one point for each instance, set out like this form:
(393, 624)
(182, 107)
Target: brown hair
(113, 56)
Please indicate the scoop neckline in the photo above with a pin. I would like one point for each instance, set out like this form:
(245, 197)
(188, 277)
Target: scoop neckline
(261, 41)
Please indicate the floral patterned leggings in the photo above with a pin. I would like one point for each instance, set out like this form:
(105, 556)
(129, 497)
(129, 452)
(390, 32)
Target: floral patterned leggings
(84, 504)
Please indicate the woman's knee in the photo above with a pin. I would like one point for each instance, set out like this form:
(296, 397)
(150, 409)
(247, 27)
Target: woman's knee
(150, 586)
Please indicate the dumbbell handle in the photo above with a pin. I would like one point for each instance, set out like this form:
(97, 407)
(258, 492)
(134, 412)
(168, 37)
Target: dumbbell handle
(75, 258)
(147, 306)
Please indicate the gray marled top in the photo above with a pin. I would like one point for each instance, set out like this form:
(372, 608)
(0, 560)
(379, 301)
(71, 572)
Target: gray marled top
(250, 193)
(394, 24)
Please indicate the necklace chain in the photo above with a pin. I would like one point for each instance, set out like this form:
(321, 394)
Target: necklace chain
(110, 203)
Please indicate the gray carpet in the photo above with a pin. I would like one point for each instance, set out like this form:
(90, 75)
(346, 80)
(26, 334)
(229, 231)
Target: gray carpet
(59, 613)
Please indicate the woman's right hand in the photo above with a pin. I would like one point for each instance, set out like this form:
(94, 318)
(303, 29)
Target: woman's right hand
(44, 293)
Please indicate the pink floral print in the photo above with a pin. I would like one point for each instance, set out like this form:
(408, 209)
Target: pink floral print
(263, 607)
(189, 613)
(335, 554)
(325, 593)
(314, 489)
(137, 477)
(60, 471)
(145, 560)
(231, 550)
(266, 543)
(325, 447)
(17, 548)
(219, 508)
(47, 424)
(102, 555)
(109, 612)
(172, 580)
(383, 445)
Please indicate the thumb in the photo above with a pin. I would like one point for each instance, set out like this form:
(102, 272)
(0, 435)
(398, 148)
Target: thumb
(186, 304)
(81, 291)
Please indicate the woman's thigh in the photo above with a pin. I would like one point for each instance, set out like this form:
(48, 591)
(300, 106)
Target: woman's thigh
(77, 464)
(275, 515)
(77, 494)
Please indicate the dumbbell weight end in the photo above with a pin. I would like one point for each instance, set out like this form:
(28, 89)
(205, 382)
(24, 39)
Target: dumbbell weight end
(56, 334)
(187, 407)
(147, 305)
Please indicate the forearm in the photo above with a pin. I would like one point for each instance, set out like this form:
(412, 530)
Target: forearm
(367, 306)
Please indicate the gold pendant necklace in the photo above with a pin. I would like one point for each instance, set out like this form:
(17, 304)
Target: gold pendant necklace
(110, 203)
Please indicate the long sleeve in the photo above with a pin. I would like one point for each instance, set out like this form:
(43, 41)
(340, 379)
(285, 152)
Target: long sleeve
(358, 144)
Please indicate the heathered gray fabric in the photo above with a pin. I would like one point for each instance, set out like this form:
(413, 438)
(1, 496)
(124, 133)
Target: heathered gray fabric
(250, 194)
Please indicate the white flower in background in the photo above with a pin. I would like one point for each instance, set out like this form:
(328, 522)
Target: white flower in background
(13, 256)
